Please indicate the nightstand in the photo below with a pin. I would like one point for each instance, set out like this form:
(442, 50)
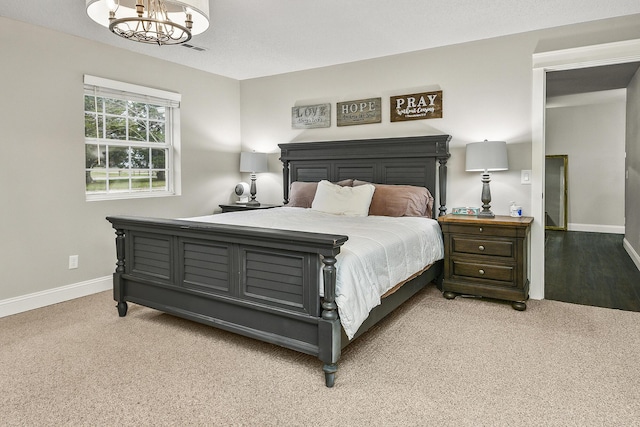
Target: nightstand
(486, 257)
(242, 207)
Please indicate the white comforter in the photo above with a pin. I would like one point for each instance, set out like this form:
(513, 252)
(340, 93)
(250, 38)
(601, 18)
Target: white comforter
(380, 253)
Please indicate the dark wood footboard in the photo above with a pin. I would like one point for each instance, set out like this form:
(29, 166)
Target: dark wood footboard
(256, 282)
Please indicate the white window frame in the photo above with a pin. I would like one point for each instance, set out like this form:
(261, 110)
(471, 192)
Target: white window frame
(121, 90)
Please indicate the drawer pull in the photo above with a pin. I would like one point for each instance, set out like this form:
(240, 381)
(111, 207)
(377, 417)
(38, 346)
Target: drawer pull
(481, 229)
(481, 247)
(481, 271)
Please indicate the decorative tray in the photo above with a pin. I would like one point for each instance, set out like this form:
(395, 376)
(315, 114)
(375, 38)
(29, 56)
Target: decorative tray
(465, 211)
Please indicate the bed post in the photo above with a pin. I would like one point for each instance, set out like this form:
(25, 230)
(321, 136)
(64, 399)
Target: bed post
(285, 181)
(330, 328)
(442, 155)
(117, 282)
(442, 181)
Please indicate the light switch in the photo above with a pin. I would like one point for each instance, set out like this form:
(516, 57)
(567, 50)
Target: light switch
(525, 177)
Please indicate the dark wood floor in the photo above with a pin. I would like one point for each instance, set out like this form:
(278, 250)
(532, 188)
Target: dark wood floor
(590, 269)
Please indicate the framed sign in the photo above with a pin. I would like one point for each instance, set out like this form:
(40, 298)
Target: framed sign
(311, 116)
(416, 106)
(360, 112)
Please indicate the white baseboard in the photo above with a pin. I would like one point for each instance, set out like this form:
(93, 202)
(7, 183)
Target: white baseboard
(53, 296)
(632, 253)
(595, 228)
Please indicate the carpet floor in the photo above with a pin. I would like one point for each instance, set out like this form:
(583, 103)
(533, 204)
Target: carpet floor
(433, 362)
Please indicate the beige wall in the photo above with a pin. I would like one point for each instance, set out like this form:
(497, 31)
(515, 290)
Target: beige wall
(486, 95)
(43, 213)
(590, 129)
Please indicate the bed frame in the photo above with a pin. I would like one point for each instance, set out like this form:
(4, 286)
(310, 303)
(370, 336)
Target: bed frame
(265, 283)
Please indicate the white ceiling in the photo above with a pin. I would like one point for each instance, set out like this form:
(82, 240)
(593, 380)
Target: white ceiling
(255, 38)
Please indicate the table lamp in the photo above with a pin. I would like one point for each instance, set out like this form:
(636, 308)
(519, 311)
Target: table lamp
(485, 157)
(253, 163)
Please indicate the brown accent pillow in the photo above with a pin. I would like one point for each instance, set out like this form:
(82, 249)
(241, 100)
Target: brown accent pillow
(301, 194)
(399, 200)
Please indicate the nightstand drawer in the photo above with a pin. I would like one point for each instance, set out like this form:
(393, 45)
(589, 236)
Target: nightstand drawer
(502, 248)
(483, 230)
(502, 273)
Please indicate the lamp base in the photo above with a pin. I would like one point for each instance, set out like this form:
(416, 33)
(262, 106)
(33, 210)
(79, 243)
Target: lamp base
(486, 197)
(253, 201)
(486, 214)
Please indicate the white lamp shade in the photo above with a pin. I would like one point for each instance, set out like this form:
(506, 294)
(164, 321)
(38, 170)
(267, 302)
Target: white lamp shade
(98, 10)
(253, 162)
(487, 156)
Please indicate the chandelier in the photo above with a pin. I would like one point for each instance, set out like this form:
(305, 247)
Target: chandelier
(161, 22)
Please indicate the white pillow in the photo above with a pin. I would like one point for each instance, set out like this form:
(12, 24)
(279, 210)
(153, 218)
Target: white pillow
(335, 199)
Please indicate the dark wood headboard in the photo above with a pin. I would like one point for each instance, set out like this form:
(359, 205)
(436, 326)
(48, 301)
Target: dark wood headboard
(413, 160)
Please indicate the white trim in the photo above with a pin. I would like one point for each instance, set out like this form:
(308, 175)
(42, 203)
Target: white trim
(130, 87)
(53, 296)
(175, 153)
(596, 228)
(632, 253)
(96, 197)
(536, 284)
(588, 56)
(567, 59)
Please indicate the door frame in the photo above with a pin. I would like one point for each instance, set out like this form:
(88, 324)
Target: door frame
(543, 62)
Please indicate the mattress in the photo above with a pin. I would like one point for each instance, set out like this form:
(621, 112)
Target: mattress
(380, 253)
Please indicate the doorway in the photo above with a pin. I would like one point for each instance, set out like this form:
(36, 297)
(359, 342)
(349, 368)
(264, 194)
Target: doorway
(544, 63)
(583, 255)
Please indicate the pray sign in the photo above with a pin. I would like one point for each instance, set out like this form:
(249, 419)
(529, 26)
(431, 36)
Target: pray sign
(416, 106)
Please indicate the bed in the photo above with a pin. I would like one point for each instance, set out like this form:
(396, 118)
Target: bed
(206, 271)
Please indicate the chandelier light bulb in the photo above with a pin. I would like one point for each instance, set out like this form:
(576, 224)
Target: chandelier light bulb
(188, 22)
(112, 5)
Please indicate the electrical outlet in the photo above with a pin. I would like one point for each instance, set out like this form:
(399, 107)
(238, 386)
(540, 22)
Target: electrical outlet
(73, 262)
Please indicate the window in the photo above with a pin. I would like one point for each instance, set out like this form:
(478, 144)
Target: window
(132, 136)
